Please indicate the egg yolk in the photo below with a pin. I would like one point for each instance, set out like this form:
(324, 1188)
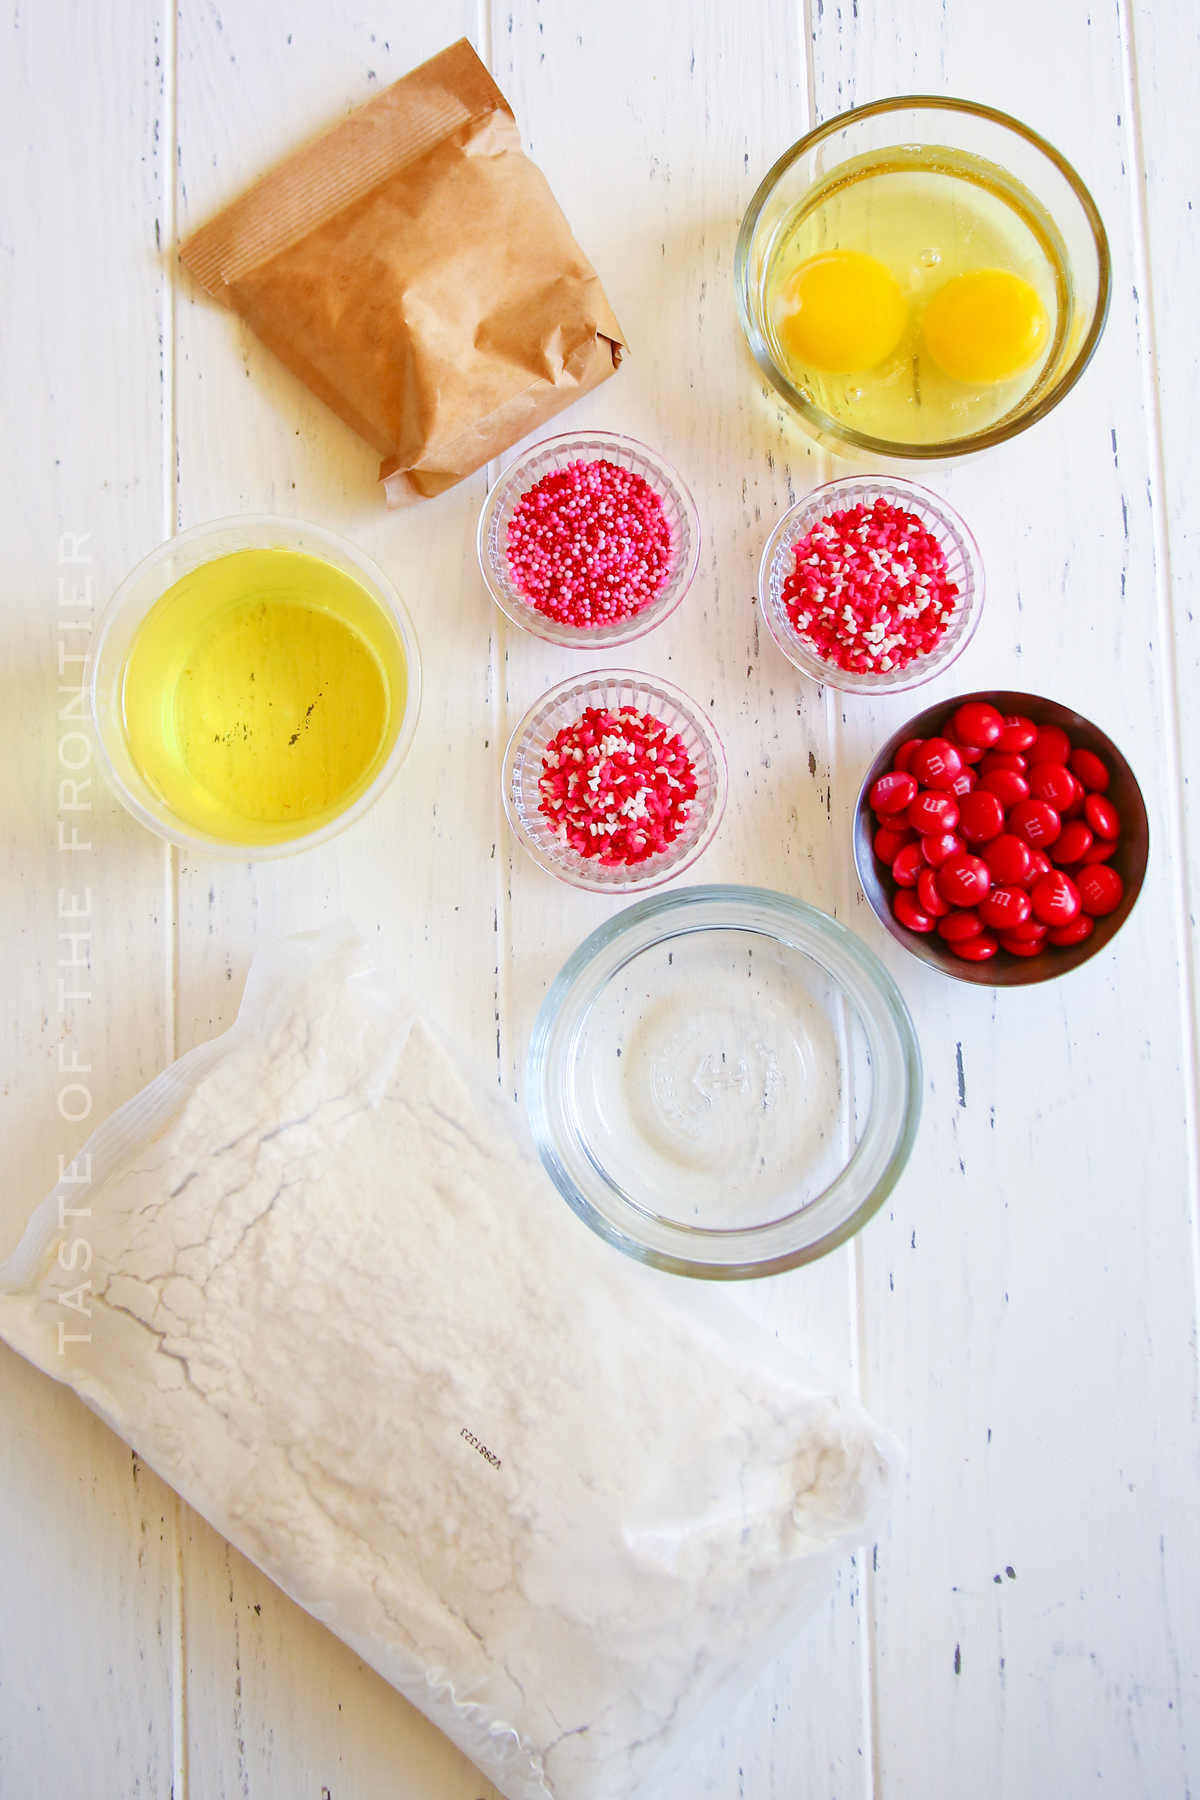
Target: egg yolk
(985, 326)
(844, 311)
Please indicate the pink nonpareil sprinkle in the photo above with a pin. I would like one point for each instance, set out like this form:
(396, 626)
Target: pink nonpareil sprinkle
(869, 590)
(616, 785)
(589, 545)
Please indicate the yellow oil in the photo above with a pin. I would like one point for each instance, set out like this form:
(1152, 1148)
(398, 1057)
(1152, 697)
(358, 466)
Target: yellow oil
(262, 694)
(927, 214)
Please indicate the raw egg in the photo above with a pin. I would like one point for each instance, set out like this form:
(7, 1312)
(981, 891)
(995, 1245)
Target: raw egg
(842, 311)
(985, 326)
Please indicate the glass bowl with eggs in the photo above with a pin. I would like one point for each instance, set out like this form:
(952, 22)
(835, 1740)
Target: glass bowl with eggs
(922, 278)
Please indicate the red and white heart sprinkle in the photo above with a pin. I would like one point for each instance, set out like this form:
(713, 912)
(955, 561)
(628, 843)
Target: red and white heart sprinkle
(616, 785)
(869, 592)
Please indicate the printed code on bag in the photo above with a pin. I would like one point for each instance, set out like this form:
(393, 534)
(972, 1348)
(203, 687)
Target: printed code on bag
(482, 1448)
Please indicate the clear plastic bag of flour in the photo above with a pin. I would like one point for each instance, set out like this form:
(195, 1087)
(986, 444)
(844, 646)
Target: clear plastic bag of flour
(563, 1503)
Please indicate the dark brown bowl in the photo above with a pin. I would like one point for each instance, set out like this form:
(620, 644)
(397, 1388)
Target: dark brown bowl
(1129, 859)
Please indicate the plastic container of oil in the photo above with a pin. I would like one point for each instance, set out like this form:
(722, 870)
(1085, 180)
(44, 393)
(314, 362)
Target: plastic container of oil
(254, 686)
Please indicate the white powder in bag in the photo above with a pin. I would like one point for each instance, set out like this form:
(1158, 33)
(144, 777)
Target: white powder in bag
(560, 1502)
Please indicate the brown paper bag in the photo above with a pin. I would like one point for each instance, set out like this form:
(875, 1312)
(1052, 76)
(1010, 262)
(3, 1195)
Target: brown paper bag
(413, 269)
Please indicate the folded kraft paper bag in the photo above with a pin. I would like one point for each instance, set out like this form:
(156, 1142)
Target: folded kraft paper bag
(414, 270)
(318, 1279)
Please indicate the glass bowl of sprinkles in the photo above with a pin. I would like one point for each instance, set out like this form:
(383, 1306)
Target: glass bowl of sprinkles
(871, 585)
(615, 781)
(588, 540)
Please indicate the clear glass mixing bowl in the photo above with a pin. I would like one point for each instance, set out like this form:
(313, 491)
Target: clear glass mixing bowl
(724, 1082)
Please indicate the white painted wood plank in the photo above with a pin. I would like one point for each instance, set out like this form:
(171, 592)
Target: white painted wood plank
(279, 1706)
(1163, 73)
(276, 1705)
(654, 157)
(1030, 1302)
(252, 438)
(87, 1562)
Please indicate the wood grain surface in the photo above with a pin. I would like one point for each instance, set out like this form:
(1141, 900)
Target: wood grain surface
(1023, 1313)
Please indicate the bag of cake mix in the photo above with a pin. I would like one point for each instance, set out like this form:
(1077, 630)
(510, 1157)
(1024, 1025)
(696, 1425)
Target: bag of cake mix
(317, 1278)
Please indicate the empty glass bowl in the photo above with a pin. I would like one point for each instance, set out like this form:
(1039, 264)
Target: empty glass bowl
(724, 1082)
(899, 200)
(557, 453)
(613, 689)
(963, 567)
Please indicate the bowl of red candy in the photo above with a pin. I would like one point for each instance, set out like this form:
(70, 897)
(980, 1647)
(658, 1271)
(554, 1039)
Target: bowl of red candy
(615, 781)
(871, 585)
(1002, 838)
(588, 540)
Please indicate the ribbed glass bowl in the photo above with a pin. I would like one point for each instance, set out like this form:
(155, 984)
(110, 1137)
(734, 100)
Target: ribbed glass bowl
(559, 453)
(926, 126)
(562, 706)
(724, 1082)
(964, 567)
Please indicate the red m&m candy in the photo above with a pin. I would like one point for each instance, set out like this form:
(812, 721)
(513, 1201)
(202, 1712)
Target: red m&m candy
(1102, 816)
(938, 848)
(1008, 858)
(956, 926)
(1052, 783)
(892, 793)
(908, 865)
(1100, 889)
(933, 813)
(976, 949)
(1036, 821)
(1088, 768)
(1027, 932)
(888, 843)
(1006, 784)
(900, 760)
(1073, 844)
(1055, 898)
(977, 724)
(927, 893)
(1002, 759)
(980, 817)
(1005, 907)
(1074, 807)
(936, 764)
(908, 910)
(1051, 744)
(1074, 933)
(1019, 733)
(963, 880)
(1022, 946)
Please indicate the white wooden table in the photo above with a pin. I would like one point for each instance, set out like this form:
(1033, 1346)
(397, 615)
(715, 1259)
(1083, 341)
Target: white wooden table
(1023, 1313)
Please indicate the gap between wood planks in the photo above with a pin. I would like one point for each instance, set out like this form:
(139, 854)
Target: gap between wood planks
(1168, 636)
